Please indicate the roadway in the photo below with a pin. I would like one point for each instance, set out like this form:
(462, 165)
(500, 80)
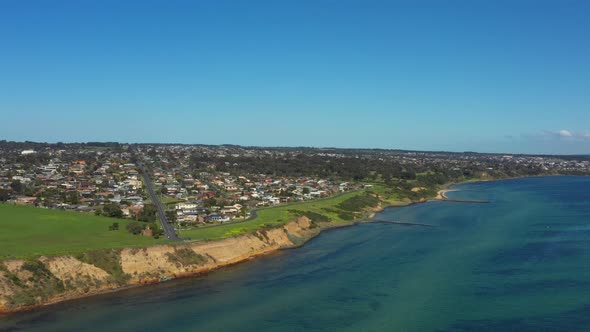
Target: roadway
(166, 226)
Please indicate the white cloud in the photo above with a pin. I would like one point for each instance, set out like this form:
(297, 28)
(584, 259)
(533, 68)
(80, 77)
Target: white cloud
(567, 135)
(562, 141)
(562, 134)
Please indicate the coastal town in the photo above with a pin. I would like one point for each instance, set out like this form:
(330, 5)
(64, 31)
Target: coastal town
(107, 182)
(202, 185)
(298, 166)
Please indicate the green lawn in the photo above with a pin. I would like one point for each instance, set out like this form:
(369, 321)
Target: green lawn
(274, 216)
(29, 232)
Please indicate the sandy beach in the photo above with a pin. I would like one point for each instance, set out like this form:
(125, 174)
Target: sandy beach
(441, 194)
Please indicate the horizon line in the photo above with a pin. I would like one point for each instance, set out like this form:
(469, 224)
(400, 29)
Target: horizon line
(303, 147)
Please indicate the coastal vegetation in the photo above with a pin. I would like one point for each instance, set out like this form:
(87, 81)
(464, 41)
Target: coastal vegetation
(184, 257)
(359, 202)
(34, 284)
(107, 260)
(316, 217)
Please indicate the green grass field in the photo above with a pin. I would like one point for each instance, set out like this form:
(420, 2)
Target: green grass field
(29, 232)
(275, 216)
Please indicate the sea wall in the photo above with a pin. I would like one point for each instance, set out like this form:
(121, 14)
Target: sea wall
(27, 284)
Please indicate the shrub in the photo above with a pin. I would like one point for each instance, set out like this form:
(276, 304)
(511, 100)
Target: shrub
(316, 217)
(109, 260)
(134, 227)
(38, 269)
(11, 276)
(43, 285)
(360, 202)
(185, 256)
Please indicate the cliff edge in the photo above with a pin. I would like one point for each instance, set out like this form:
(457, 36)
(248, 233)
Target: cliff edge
(27, 284)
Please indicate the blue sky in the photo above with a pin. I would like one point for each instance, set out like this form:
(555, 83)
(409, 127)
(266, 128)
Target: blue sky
(489, 76)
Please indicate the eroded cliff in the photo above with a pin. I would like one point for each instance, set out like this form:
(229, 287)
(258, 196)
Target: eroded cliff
(28, 283)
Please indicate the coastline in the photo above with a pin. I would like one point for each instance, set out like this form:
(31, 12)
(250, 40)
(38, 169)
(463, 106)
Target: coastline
(145, 264)
(448, 187)
(441, 194)
(219, 253)
(192, 271)
(294, 234)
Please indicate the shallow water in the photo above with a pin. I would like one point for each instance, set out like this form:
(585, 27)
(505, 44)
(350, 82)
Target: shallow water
(519, 263)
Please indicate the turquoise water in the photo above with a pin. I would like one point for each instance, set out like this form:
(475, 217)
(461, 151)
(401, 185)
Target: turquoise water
(519, 263)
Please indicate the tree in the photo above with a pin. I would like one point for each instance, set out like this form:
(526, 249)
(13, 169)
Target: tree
(112, 210)
(209, 202)
(17, 187)
(409, 174)
(171, 216)
(148, 213)
(134, 227)
(73, 197)
(156, 231)
(29, 191)
(243, 212)
(4, 195)
(114, 227)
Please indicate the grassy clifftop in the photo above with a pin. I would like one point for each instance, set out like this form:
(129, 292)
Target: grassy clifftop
(30, 232)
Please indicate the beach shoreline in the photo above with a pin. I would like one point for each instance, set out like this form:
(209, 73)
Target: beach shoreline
(263, 242)
(441, 194)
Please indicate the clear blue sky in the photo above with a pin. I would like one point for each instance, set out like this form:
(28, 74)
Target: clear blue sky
(490, 76)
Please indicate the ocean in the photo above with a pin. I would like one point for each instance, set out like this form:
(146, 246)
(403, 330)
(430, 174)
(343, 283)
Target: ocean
(518, 263)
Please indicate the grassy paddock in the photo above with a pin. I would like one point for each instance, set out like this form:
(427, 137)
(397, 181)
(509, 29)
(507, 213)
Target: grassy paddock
(29, 232)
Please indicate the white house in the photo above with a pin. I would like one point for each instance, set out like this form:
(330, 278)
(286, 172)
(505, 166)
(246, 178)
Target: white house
(186, 206)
